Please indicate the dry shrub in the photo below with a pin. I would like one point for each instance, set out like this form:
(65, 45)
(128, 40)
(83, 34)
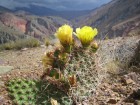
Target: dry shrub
(116, 54)
(19, 44)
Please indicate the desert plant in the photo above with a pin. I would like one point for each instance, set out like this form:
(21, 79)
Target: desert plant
(22, 91)
(7, 46)
(72, 64)
(47, 42)
(33, 92)
(20, 43)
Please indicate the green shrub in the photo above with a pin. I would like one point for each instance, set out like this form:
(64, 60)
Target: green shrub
(47, 42)
(19, 44)
(8, 46)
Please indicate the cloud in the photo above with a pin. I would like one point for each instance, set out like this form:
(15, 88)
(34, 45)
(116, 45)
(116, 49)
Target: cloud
(55, 4)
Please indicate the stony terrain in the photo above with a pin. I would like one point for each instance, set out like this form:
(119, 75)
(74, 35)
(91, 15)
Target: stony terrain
(118, 88)
(30, 59)
(23, 63)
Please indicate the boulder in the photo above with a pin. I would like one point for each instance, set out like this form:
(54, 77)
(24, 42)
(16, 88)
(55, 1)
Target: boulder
(5, 69)
(136, 59)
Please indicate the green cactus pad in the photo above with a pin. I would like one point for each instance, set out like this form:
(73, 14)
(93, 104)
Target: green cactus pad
(31, 92)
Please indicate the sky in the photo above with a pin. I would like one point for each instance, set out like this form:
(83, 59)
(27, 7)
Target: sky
(55, 4)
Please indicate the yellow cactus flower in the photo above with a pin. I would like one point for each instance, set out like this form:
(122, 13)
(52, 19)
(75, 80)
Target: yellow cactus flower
(86, 35)
(64, 34)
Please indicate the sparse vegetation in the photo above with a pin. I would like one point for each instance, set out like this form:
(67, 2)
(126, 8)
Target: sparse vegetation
(87, 75)
(74, 70)
(47, 42)
(20, 43)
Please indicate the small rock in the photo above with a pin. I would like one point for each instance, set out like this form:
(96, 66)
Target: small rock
(133, 75)
(128, 81)
(137, 102)
(1, 83)
(43, 46)
(112, 101)
(24, 49)
(5, 69)
(1, 100)
(137, 94)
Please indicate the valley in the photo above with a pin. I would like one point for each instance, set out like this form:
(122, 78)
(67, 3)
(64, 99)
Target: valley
(45, 60)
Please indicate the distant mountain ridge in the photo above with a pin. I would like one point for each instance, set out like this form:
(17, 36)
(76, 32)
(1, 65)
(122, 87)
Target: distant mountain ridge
(3, 9)
(117, 18)
(44, 11)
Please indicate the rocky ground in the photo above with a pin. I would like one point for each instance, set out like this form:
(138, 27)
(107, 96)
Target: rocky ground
(117, 89)
(25, 63)
(25, 59)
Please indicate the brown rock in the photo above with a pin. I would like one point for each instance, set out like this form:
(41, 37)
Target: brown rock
(137, 102)
(2, 100)
(128, 81)
(112, 101)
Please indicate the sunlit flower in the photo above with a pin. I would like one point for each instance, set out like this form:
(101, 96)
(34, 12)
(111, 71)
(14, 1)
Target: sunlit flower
(86, 35)
(64, 34)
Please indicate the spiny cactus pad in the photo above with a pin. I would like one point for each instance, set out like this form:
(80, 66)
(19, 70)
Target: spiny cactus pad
(31, 92)
(22, 91)
(84, 67)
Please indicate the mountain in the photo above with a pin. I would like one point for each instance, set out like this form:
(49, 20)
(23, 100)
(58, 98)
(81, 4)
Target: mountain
(3, 9)
(43, 11)
(117, 18)
(14, 26)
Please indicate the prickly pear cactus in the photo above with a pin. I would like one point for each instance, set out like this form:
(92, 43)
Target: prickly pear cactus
(49, 91)
(22, 91)
(83, 66)
(31, 92)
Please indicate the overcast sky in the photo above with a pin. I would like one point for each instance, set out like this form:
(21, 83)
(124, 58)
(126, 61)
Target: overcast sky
(55, 4)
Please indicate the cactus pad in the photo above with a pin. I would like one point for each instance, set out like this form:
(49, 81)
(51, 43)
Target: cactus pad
(31, 92)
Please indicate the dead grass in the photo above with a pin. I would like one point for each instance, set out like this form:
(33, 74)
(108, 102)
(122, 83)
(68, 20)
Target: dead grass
(116, 54)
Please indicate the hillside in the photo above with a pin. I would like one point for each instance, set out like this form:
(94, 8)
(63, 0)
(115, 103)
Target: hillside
(117, 18)
(43, 11)
(71, 70)
(13, 26)
(3, 9)
(121, 85)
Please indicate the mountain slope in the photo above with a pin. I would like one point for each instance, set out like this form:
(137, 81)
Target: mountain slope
(3, 9)
(117, 18)
(14, 26)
